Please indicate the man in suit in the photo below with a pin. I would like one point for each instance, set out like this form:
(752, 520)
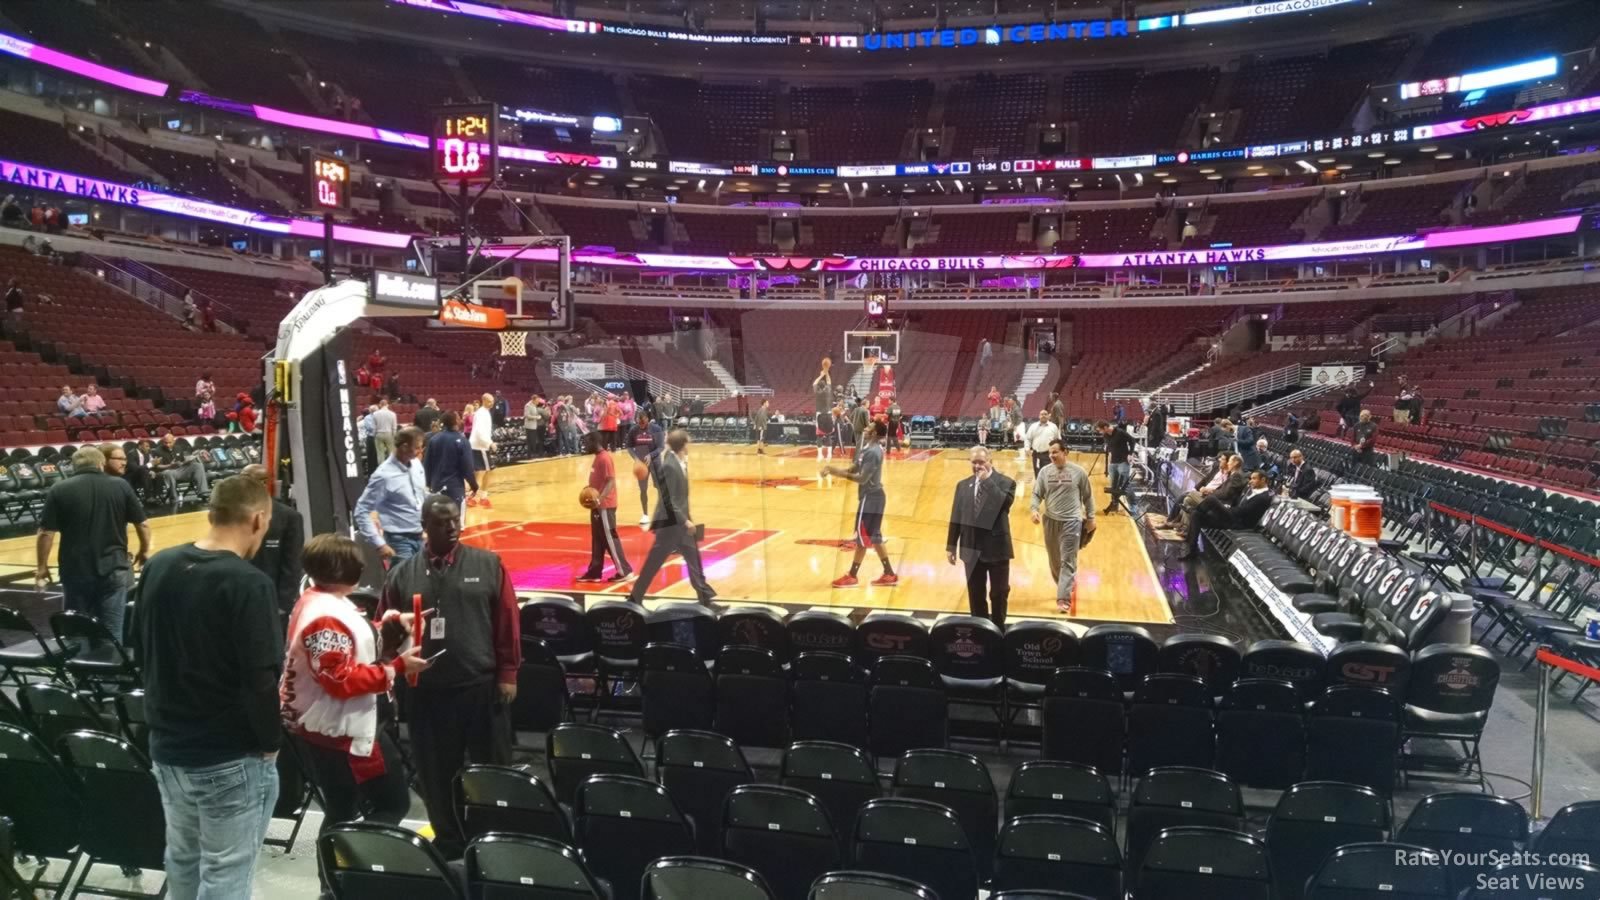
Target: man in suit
(672, 525)
(980, 529)
(140, 462)
(279, 556)
(1300, 482)
(1238, 511)
(1212, 481)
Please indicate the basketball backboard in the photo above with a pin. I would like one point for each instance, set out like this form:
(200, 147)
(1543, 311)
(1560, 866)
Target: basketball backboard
(883, 346)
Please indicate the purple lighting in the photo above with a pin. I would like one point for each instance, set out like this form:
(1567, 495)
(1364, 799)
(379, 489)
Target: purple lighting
(68, 63)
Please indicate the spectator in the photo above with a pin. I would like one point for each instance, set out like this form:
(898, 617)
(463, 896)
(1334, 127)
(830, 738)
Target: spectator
(14, 299)
(280, 555)
(985, 353)
(1243, 513)
(207, 412)
(11, 214)
(367, 427)
(1040, 436)
(502, 410)
(1366, 437)
(1300, 482)
(175, 464)
(1244, 439)
(139, 464)
(482, 438)
(1119, 413)
(1058, 411)
(394, 385)
(210, 646)
(534, 422)
(393, 496)
(191, 311)
(459, 709)
(204, 389)
(70, 404)
(92, 401)
(567, 426)
(1291, 428)
(376, 361)
(92, 511)
(994, 406)
(247, 414)
(364, 376)
(428, 416)
(336, 669)
(384, 427)
(1119, 449)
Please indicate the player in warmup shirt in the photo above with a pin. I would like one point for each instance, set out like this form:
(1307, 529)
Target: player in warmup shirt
(603, 517)
(482, 438)
(822, 393)
(867, 473)
(645, 443)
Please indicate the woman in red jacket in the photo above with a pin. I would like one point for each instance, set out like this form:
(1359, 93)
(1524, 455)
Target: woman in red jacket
(334, 671)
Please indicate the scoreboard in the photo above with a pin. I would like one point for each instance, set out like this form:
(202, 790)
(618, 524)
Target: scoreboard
(327, 179)
(465, 142)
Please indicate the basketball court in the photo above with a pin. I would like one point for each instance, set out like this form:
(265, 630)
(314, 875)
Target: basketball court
(777, 533)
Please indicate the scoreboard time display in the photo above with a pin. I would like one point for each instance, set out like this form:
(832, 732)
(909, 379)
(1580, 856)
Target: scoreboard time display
(327, 181)
(465, 142)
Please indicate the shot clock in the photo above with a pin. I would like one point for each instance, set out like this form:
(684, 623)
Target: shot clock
(327, 181)
(465, 142)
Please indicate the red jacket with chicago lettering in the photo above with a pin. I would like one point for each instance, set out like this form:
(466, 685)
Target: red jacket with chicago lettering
(332, 679)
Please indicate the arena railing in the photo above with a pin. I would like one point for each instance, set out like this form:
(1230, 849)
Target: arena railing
(1224, 396)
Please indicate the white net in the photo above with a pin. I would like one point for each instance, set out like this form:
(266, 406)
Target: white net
(513, 343)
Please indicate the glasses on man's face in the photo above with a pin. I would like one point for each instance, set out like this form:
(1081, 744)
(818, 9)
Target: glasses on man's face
(118, 458)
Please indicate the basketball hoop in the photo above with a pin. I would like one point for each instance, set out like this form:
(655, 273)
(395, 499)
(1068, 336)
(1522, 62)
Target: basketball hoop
(513, 343)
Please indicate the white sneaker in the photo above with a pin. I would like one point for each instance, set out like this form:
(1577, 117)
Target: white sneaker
(644, 519)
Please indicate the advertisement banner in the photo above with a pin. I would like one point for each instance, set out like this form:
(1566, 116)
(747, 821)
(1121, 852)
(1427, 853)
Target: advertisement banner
(581, 371)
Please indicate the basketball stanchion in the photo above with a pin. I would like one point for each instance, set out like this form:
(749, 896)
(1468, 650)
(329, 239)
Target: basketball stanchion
(1548, 661)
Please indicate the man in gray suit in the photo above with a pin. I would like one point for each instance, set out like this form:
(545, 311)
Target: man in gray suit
(980, 534)
(675, 531)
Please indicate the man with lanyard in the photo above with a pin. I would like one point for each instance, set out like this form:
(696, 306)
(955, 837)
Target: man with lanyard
(459, 709)
(859, 417)
(1119, 446)
(448, 461)
(1062, 489)
(758, 420)
(822, 396)
(1040, 435)
(645, 444)
(395, 492)
(867, 472)
(980, 536)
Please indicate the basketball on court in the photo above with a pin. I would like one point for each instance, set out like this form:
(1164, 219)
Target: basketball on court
(589, 498)
(640, 470)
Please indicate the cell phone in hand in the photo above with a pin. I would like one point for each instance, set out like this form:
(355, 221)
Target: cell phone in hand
(431, 659)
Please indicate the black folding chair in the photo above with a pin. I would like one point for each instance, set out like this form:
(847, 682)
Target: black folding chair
(123, 822)
(849, 885)
(693, 878)
(752, 697)
(1479, 827)
(1314, 818)
(93, 654)
(371, 861)
(1041, 852)
(1202, 863)
(828, 694)
(700, 769)
(959, 781)
(1261, 734)
(907, 709)
(573, 752)
(919, 840)
(1055, 787)
(43, 802)
(507, 799)
(24, 654)
(1174, 797)
(1391, 870)
(624, 823)
(676, 689)
(784, 833)
(523, 867)
(840, 776)
(54, 711)
(1084, 719)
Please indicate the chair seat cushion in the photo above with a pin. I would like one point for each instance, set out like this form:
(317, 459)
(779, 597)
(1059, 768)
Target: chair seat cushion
(1391, 545)
(1337, 625)
(1292, 582)
(24, 654)
(1437, 559)
(1575, 645)
(1438, 724)
(1313, 602)
(1495, 599)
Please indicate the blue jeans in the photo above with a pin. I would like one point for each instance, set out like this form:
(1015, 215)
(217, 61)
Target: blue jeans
(216, 820)
(1121, 481)
(104, 599)
(405, 546)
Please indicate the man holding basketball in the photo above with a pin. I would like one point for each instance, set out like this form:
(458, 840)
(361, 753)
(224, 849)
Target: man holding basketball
(822, 394)
(867, 473)
(601, 499)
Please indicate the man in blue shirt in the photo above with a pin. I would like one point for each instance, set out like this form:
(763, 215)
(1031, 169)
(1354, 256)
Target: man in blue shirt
(395, 492)
(448, 461)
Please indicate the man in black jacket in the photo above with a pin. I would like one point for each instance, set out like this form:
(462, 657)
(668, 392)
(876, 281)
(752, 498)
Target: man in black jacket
(1240, 512)
(980, 533)
(1300, 482)
(279, 556)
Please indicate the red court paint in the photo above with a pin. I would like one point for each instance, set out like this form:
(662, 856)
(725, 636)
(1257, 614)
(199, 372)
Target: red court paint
(551, 555)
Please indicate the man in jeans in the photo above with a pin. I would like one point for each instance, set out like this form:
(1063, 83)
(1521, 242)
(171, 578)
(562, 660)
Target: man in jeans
(395, 493)
(1119, 447)
(1062, 489)
(208, 638)
(92, 511)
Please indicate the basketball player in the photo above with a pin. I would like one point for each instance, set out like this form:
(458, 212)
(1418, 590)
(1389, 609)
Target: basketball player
(867, 473)
(482, 440)
(822, 394)
(645, 444)
(603, 517)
